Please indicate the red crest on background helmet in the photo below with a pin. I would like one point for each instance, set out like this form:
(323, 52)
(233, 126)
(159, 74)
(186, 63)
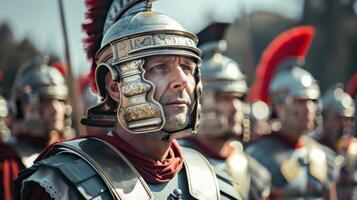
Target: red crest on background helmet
(61, 67)
(292, 44)
(352, 86)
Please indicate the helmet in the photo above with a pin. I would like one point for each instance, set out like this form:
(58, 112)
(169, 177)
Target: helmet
(219, 74)
(37, 81)
(337, 101)
(132, 32)
(296, 83)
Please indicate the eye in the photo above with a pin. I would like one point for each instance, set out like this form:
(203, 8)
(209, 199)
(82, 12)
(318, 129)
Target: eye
(188, 68)
(157, 67)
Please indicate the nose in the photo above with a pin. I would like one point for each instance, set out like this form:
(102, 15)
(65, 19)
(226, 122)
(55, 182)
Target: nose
(233, 106)
(53, 106)
(179, 79)
(310, 106)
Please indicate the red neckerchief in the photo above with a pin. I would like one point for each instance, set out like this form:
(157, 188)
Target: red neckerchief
(153, 171)
(10, 165)
(204, 149)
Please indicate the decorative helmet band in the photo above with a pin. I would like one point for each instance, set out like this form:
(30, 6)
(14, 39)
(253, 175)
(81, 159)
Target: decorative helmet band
(132, 32)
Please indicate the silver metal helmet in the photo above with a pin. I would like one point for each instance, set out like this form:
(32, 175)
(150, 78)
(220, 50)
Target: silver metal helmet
(296, 83)
(37, 78)
(36, 81)
(219, 74)
(131, 33)
(338, 102)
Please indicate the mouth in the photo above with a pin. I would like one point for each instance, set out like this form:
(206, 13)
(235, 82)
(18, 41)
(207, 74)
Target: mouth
(178, 103)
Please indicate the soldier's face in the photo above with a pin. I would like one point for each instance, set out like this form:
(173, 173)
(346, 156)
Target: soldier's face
(230, 106)
(174, 80)
(52, 112)
(334, 126)
(298, 115)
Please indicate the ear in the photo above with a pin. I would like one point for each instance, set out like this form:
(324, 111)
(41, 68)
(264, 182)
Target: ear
(112, 87)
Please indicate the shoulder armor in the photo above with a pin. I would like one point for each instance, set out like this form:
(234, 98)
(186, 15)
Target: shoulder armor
(324, 164)
(218, 186)
(260, 179)
(90, 161)
(198, 169)
(263, 153)
(112, 166)
(238, 169)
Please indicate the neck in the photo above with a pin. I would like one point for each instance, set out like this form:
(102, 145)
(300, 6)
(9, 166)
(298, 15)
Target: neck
(294, 136)
(150, 146)
(220, 146)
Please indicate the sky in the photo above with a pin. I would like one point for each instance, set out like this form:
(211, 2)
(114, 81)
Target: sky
(30, 19)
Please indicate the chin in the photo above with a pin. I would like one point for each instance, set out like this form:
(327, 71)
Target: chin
(176, 123)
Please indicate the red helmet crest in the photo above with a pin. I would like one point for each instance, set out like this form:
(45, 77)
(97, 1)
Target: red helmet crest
(291, 45)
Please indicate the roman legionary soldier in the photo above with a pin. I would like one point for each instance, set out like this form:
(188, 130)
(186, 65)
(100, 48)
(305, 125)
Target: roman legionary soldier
(42, 112)
(338, 134)
(10, 163)
(225, 117)
(146, 72)
(300, 167)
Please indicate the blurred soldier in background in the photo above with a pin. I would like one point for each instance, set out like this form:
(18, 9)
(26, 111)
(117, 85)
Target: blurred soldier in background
(225, 117)
(10, 163)
(147, 72)
(300, 167)
(338, 129)
(43, 115)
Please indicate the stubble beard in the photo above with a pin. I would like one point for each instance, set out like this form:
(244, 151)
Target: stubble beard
(176, 118)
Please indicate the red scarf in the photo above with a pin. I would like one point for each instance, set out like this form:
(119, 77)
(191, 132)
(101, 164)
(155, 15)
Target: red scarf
(10, 165)
(153, 171)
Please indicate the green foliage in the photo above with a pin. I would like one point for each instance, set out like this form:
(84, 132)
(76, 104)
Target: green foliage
(13, 54)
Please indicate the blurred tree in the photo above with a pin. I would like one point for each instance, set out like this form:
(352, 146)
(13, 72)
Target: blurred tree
(331, 58)
(12, 55)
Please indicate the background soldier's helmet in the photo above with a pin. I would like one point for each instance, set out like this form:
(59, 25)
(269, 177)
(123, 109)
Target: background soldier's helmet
(36, 81)
(130, 33)
(336, 101)
(219, 74)
(294, 83)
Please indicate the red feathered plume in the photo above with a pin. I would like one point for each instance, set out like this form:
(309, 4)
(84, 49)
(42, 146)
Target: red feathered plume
(95, 16)
(291, 44)
(352, 86)
(61, 67)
